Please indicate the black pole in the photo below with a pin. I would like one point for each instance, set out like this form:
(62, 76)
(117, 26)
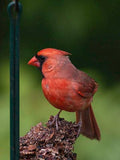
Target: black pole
(14, 79)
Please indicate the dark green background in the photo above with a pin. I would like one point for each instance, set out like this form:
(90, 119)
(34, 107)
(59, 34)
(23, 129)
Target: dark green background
(90, 30)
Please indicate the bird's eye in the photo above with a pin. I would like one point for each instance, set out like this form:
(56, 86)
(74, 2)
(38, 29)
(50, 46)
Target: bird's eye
(41, 58)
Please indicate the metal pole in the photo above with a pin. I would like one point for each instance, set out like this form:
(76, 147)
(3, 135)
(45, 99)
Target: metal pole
(14, 79)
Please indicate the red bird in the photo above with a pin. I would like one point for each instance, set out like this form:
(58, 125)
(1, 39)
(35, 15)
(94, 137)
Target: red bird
(67, 88)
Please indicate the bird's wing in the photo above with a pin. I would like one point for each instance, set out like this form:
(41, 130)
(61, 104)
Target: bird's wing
(87, 90)
(87, 86)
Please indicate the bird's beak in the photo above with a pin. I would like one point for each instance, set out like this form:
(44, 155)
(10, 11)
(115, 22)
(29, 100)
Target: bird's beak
(34, 62)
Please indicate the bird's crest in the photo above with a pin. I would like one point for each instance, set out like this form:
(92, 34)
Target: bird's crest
(51, 51)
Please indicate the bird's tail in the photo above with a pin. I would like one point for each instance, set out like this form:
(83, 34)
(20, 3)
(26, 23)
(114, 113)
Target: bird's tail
(89, 126)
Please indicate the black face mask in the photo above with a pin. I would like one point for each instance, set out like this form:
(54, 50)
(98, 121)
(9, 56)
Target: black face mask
(41, 59)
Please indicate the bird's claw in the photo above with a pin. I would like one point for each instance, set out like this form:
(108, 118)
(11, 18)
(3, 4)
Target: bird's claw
(79, 125)
(79, 129)
(55, 121)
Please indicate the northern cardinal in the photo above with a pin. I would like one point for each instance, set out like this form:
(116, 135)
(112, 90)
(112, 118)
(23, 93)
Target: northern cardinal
(67, 88)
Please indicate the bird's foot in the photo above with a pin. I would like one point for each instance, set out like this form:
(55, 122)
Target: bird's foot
(79, 128)
(55, 120)
(79, 125)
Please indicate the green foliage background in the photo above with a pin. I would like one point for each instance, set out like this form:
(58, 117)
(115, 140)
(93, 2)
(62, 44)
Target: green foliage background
(90, 30)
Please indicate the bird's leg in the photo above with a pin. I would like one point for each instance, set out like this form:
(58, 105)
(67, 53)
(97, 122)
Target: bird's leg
(56, 120)
(79, 125)
(79, 122)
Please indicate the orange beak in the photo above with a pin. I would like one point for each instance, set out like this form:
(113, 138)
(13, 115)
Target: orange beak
(34, 62)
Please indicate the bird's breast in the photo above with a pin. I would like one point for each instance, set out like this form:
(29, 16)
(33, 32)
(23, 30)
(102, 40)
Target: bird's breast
(62, 94)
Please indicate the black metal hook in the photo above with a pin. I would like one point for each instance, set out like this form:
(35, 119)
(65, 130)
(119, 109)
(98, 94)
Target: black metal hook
(16, 6)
